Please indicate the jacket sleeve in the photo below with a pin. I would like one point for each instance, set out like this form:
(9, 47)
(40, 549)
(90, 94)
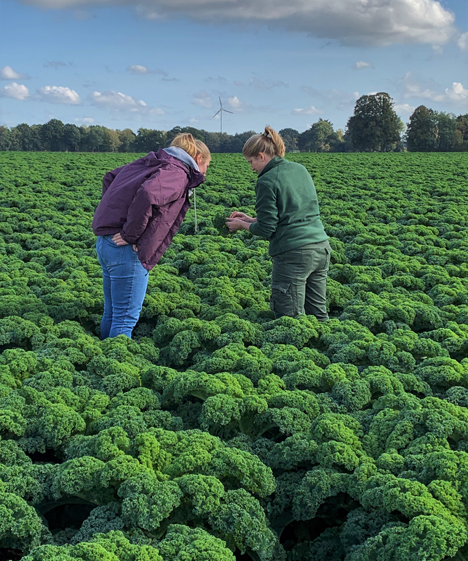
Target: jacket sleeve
(109, 178)
(138, 215)
(267, 212)
(161, 189)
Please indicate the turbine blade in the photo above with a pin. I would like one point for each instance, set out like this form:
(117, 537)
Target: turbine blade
(226, 111)
(216, 114)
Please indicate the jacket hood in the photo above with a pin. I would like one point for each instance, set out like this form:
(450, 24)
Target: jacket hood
(182, 155)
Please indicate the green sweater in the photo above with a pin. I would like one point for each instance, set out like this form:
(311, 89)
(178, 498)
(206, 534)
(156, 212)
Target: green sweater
(287, 207)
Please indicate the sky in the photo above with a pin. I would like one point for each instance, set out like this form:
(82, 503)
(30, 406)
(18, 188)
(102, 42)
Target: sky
(162, 63)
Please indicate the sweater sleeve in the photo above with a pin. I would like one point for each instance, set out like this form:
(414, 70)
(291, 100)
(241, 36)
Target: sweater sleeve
(267, 212)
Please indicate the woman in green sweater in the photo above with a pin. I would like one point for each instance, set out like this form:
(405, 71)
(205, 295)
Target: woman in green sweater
(288, 215)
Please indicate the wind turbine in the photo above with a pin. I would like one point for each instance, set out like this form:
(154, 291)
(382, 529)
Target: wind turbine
(220, 112)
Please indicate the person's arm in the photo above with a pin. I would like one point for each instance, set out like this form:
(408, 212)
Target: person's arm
(242, 216)
(267, 212)
(109, 178)
(141, 209)
(162, 188)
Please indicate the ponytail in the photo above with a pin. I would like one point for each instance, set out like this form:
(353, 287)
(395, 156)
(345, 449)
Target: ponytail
(269, 142)
(193, 147)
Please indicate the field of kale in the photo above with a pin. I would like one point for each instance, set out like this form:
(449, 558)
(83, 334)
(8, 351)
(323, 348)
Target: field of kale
(219, 433)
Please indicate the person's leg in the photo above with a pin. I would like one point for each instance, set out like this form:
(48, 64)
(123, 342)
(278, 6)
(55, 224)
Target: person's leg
(129, 280)
(288, 282)
(316, 287)
(106, 321)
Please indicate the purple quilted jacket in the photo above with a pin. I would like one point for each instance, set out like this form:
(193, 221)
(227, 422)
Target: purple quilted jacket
(145, 201)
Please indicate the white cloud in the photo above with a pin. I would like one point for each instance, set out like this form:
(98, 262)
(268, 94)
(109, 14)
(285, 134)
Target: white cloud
(7, 73)
(416, 88)
(203, 99)
(404, 108)
(15, 91)
(351, 22)
(118, 101)
(463, 41)
(59, 95)
(307, 111)
(456, 93)
(237, 105)
(137, 69)
(360, 65)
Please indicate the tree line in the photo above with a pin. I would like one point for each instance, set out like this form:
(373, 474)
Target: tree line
(374, 127)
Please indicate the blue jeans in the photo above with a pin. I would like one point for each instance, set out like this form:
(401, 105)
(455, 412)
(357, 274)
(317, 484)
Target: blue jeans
(125, 281)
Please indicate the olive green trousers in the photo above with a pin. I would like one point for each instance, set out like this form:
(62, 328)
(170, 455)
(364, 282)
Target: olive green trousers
(299, 281)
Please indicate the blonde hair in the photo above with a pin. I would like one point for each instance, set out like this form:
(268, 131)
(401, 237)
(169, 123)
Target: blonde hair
(193, 147)
(269, 142)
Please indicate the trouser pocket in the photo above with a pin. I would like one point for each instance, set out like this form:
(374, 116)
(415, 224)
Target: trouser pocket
(282, 301)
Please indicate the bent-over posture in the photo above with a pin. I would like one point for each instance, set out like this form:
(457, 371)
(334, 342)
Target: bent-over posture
(142, 207)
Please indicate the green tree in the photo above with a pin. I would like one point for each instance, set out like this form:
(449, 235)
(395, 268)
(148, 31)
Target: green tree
(26, 138)
(127, 139)
(5, 139)
(374, 126)
(94, 139)
(147, 140)
(111, 140)
(422, 131)
(318, 138)
(289, 137)
(461, 133)
(52, 135)
(446, 131)
(71, 137)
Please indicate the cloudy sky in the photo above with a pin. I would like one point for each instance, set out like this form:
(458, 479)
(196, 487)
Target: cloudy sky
(162, 63)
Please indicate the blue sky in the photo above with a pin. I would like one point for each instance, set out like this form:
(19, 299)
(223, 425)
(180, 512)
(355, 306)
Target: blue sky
(162, 63)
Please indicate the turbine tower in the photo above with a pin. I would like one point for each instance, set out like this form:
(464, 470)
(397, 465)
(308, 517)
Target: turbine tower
(220, 113)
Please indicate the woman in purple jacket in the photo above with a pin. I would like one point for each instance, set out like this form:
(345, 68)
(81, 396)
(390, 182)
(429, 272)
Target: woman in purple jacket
(142, 207)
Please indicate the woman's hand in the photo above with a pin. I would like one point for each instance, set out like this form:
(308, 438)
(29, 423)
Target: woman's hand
(240, 215)
(119, 240)
(234, 224)
(135, 248)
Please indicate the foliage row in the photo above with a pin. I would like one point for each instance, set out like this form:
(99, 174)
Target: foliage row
(219, 432)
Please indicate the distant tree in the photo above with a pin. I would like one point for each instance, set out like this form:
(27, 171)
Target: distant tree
(5, 138)
(446, 131)
(52, 135)
(111, 141)
(289, 137)
(422, 131)
(374, 126)
(215, 140)
(71, 137)
(318, 138)
(127, 139)
(26, 138)
(148, 140)
(461, 133)
(338, 142)
(235, 143)
(94, 139)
